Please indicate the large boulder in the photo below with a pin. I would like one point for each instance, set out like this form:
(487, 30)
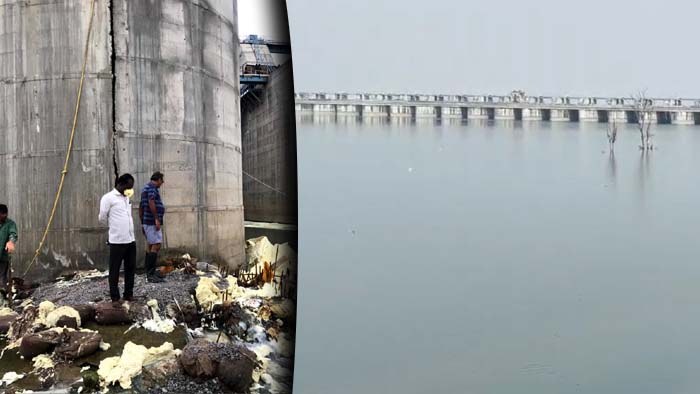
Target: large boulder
(77, 344)
(112, 313)
(158, 372)
(67, 343)
(199, 360)
(25, 324)
(109, 313)
(68, 322)
(236, 368)
(34, 344)
(232, 364)
(87, 313)
(6, 321)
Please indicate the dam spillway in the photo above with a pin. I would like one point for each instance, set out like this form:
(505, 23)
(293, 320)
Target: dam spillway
(514, 107)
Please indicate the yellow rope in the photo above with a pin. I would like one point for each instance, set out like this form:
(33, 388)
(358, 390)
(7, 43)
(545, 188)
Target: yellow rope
(64, 172)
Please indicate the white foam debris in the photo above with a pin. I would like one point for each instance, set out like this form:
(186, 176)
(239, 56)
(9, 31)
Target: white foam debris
(49, 314)
(234, 291)
(252, 303)
(6, 312)
(268, 291)
(156, 323)
(104, 346)
(207, 292)
(11, 377)
(260, 250)
(43, 361)
(53, 316)
(164, 326)
(122, 369)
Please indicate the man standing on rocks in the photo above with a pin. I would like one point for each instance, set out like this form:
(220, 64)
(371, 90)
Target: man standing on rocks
(151, 212)
(115, 210)
(8, 237)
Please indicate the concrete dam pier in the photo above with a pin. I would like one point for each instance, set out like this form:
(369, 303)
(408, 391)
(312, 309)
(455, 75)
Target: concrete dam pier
(509, 108)
(161, 93)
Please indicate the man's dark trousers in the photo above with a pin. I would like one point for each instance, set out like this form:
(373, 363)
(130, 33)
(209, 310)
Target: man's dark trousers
(4, 272)
(117, 254)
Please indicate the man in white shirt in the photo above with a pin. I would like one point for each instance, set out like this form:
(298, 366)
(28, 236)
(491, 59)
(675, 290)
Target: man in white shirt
(115, 210)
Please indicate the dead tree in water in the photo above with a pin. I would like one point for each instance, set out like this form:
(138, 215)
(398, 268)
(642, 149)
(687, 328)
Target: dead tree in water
(612, 135)
(644, 110)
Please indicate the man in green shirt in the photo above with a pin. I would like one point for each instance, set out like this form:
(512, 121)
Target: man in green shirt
(8, 237)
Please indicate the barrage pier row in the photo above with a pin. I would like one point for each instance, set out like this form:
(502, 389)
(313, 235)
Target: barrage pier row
(678, 111)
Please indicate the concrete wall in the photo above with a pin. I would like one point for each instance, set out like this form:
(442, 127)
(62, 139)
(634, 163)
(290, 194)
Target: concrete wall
(269, 151)
(173, 107)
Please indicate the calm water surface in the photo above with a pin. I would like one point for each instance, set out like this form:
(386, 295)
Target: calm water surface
(497, 258)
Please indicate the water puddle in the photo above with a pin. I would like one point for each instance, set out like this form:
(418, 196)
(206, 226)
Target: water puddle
(68, 374)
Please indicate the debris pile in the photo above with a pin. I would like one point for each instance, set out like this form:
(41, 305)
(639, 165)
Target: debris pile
(273, 264)
(124, 368)
(202, 330)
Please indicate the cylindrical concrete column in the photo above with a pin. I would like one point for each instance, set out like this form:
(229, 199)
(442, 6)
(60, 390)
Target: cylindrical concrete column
(40, 61)
(177, 106)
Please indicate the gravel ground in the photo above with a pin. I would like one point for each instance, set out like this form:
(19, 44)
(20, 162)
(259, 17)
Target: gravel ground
(182, 384)
(177, 285)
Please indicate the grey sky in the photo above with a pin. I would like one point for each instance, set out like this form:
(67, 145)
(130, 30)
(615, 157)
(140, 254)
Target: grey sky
(262, 17)
(596, 47)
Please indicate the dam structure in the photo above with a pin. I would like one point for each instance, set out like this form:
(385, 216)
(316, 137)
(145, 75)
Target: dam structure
(161, 93)
(514, 107)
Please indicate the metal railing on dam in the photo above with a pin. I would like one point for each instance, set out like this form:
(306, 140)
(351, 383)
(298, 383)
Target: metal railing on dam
(679, 111)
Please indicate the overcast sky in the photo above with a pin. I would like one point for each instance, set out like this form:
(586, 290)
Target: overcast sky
(596, 47)
(265, 18)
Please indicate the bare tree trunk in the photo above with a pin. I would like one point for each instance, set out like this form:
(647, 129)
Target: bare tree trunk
(644, 110)
(648, 136)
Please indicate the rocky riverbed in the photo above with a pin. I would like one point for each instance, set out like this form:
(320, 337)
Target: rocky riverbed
(200, 331)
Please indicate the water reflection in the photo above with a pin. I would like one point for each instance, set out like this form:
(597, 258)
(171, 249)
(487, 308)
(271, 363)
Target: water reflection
(375, 120)
(401, 120)
(612, 168)
(644, 174)
(550, 270)
(452, 121)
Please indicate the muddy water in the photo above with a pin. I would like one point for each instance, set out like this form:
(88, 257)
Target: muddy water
(497, 258)
(68, 374)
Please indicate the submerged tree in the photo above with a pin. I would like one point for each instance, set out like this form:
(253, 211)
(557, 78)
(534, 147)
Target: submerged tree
(612, 135)
(644, 111)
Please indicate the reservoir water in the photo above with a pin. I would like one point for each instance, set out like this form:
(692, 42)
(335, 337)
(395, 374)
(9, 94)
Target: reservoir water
(499, 258)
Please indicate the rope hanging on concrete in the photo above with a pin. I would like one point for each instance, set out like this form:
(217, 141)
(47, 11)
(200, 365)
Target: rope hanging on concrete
(265, 184)
(64, 172)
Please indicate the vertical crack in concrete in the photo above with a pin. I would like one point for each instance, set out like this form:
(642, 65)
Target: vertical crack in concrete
(113, 65)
